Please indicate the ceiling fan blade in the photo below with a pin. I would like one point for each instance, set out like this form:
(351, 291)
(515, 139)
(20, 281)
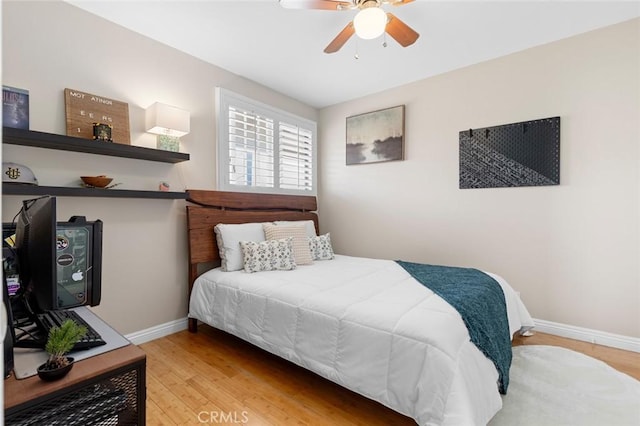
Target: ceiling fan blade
(317, 4)
(401, 32)
(399, 2)
(340, 39)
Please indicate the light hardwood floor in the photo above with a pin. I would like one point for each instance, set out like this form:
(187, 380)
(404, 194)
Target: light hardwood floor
(213, 378)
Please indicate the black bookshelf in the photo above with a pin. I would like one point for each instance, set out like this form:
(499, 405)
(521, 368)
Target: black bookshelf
(68, 143)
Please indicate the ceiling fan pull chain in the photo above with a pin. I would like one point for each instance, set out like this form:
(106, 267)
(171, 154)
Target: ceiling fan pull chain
(356, 56)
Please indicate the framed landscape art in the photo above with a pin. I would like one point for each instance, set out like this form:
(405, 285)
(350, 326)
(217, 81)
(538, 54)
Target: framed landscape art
(376, 136)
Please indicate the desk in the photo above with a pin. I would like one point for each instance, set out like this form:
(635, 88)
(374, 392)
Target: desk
(109, 387)
(121, 372)
(27, 360)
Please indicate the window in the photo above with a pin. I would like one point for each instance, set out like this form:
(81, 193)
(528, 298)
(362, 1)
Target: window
(263, 149)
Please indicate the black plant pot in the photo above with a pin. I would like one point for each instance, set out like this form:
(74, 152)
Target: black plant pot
(49, 375)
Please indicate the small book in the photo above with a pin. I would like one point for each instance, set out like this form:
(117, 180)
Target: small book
(15, 107)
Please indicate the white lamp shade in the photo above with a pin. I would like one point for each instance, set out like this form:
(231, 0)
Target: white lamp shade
(370, 23)
(167, 120)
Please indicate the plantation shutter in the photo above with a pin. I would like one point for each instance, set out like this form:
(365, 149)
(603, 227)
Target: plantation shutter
(251, 149)
(296, 157)
(262, 149)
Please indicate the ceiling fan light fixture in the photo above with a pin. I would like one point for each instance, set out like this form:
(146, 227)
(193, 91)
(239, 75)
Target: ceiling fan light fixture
(370, 23)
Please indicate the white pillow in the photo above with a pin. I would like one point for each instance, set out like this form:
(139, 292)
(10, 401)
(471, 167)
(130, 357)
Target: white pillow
(298, 233)
(268, 255)
(228, 237)
(320, 247)
(309, 225)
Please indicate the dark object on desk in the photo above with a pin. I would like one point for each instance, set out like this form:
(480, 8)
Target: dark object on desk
(50, 375)
(47, 320)
(60, 263)
(8, 345)
(9, 332)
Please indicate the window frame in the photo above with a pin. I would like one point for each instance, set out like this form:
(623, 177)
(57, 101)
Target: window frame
(226, 98)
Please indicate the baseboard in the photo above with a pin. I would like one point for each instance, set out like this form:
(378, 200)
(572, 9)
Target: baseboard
(588, 335)
(569, 331)
(158, 331)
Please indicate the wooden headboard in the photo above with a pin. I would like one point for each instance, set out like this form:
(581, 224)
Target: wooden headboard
(214, 207)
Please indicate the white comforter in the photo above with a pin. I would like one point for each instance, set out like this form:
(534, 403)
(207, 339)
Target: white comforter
(367, 325)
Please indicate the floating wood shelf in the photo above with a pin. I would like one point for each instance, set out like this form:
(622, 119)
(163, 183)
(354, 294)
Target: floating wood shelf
(68, 143)
(64, 191)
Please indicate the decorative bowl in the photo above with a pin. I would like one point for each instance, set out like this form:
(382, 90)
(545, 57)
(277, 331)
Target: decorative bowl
(96, 181)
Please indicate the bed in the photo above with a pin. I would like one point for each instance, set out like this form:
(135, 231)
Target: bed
(365, 324)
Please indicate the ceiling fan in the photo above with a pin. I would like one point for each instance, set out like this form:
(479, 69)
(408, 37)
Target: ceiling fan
(370, 22)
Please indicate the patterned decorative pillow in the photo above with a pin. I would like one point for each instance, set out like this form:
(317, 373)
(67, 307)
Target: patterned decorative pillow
(320, 247)
(301, 252)
(268, 255)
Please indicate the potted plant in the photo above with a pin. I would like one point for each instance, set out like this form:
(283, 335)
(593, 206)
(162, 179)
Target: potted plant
(60, 341)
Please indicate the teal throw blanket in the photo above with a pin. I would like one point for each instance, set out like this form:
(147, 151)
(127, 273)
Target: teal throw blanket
(480, 301)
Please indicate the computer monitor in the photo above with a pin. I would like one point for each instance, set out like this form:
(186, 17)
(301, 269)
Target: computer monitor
(59, 263)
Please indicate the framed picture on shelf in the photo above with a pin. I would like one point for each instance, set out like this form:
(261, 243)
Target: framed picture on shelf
(376, 136)
(15, 107)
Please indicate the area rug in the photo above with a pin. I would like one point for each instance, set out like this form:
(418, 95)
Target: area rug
(559, 387)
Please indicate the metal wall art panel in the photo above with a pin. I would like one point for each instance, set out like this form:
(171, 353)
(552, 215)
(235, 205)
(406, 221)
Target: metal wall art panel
(517, 154)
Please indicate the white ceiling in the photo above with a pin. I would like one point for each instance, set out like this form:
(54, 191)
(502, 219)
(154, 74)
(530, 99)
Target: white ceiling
(283, 48)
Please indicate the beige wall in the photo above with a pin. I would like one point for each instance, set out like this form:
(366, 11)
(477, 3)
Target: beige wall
(50, 46)
(571, 250)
